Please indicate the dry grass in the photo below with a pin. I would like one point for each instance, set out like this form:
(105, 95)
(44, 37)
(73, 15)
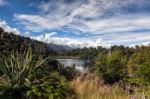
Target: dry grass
(90, 87)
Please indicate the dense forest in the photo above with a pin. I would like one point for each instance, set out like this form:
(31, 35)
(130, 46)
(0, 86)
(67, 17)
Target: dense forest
(28, 70)
(10, 42)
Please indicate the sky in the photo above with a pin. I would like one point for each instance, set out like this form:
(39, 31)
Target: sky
(79, 23)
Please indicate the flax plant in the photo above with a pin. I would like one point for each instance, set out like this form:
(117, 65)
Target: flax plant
(16, 69)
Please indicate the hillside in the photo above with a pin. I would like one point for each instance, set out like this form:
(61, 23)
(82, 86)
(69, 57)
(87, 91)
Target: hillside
(10, 42)
(59, 48)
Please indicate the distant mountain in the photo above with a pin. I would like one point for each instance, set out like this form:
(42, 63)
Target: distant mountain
(58, 48)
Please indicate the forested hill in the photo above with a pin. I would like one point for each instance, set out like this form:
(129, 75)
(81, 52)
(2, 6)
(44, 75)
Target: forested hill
(10, 42)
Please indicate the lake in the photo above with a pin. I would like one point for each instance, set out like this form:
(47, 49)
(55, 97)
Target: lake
(79, 63)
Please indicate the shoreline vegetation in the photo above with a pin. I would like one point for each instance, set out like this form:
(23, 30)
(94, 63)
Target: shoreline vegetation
(115, 73)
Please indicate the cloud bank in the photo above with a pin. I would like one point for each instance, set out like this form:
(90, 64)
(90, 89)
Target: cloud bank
(73, 42)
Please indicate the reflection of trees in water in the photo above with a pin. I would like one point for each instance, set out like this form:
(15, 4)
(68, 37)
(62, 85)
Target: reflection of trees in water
(78, 64)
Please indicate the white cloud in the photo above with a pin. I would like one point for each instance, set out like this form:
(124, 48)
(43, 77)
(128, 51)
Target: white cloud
(74, 17)
(73, 42)
(94, 17)
(127, 39)
(146, 43)
(57, 14)
(114, 24)
(7, 28)
(50, 34)
(27, 34)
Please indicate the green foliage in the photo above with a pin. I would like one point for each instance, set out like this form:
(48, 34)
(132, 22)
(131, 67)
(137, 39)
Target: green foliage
(139, 65)
(52, 86)
(111, 67)
(132, 65)
(15, 70)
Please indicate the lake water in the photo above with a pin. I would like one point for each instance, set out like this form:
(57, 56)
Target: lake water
(79, 63)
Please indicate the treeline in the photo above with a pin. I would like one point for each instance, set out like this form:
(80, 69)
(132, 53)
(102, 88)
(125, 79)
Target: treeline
(83, 53)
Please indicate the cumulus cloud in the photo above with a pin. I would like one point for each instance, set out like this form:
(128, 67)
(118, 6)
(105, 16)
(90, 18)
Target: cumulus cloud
(110, 20)
(73, 42)
(7, 28)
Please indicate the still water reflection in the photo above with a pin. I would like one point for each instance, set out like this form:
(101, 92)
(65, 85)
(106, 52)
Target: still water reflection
(78, 63)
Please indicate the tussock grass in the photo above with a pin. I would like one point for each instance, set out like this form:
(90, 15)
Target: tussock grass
(90, 86)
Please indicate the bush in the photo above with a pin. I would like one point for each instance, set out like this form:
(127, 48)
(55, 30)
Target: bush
(111, 67)
(53, 86)
(70, 72)
(139, 67)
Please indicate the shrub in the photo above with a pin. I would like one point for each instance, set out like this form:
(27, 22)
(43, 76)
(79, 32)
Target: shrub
(52, 86)
(111, 67)
(15, 70)
(139, 67)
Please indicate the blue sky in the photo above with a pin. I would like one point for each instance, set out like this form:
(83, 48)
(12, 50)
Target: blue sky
(79, 23)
